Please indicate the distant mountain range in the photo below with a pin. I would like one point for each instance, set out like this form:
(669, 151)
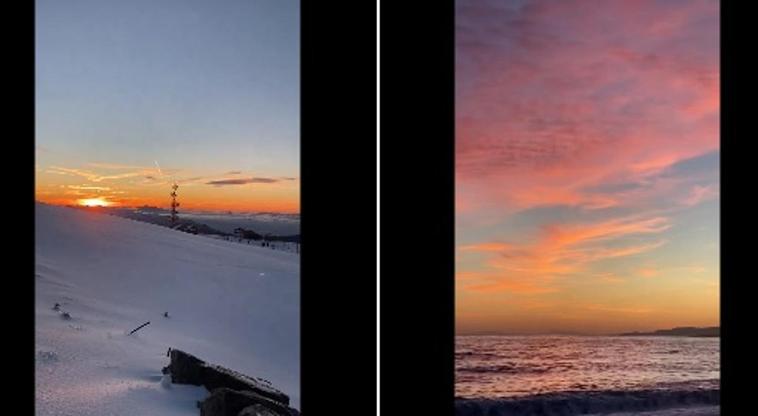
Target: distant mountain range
(684, 331)
(160, 216)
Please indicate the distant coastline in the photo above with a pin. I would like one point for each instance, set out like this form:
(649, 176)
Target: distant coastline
(685, 331)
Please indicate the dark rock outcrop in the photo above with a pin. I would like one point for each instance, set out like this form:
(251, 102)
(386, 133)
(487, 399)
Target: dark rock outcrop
(256, 410)
(188, 369)
(228, 402)
(232, 393)
(185, 368)
(216, 377)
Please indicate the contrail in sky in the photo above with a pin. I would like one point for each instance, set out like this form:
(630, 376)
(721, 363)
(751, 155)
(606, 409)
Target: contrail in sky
(159, 167)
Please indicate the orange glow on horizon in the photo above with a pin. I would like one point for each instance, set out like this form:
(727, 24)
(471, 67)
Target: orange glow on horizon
(94, 202)
(281, 196)
(135, 186)
(187, 204)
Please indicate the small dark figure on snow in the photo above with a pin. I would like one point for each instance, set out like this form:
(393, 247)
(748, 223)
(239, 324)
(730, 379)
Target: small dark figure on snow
(65, 315)
(165, 314)
(57, 307)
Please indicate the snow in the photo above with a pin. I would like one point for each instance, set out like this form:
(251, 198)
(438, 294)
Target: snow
(229, 304)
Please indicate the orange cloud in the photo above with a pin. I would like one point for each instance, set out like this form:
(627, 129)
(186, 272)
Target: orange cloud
(648, 272)
(485, 247)
(493, 282)
(609, 278)
(562, 250)
(563, 235)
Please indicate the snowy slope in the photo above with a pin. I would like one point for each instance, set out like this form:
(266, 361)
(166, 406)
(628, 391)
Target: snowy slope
(230, 304)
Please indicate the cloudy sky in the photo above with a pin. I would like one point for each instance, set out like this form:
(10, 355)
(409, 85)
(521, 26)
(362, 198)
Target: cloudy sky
(131, 95)
(587, 152)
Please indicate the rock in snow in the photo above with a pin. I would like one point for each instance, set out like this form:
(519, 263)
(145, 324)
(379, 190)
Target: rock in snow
(256, 410)
(188, 369)
(228, 402)
(232, 393)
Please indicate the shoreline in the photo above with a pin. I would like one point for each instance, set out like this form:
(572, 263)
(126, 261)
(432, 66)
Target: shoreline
(608, 402)
(675, 411)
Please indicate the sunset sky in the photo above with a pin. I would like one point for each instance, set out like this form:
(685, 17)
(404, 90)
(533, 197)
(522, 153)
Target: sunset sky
(132, 95)
(587, 158)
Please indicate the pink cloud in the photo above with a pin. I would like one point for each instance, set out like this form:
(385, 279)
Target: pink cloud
(699, 194)
(555, 97)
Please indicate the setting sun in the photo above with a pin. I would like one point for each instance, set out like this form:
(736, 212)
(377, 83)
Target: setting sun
(94, 202)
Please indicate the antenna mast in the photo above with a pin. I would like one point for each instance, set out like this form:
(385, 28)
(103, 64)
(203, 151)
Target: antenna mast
(174, 204)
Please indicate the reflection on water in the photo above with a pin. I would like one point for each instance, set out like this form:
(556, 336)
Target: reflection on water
(509, 366)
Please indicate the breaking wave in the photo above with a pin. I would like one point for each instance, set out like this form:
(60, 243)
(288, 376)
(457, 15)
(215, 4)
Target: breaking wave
(586, 402)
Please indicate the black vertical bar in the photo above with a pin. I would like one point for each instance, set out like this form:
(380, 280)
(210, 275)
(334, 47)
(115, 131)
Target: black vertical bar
(20, 125)
(732, 212)
(338, 205)
(417, 207)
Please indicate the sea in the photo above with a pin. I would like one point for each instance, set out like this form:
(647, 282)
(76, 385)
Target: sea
(571, 375)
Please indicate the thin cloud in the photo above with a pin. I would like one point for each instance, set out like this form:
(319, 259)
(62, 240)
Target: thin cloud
(487, 247)
(561, 250)
(241, 181)
(699, 194)
(608, 277)
(43, 149)
(89, 187)
(118, 166)
(92, 176)
(498, 284)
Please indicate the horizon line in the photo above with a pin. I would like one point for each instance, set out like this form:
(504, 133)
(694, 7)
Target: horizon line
(576, 333)
(189, 210)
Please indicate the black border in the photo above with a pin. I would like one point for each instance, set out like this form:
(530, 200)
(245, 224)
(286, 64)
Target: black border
(338, 206)
(21, 140)
(417, 207)
(736, 209)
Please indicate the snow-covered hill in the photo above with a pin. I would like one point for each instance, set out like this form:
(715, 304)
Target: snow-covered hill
(230, 304)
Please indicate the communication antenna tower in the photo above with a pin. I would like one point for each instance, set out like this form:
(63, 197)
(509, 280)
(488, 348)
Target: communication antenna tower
(174, 205)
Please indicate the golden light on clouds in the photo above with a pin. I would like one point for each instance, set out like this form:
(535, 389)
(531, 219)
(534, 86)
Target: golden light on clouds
(108, 184)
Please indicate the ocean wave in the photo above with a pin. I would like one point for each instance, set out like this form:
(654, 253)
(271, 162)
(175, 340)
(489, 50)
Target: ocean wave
(460, 355)
(584, 402)
(503, 369)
